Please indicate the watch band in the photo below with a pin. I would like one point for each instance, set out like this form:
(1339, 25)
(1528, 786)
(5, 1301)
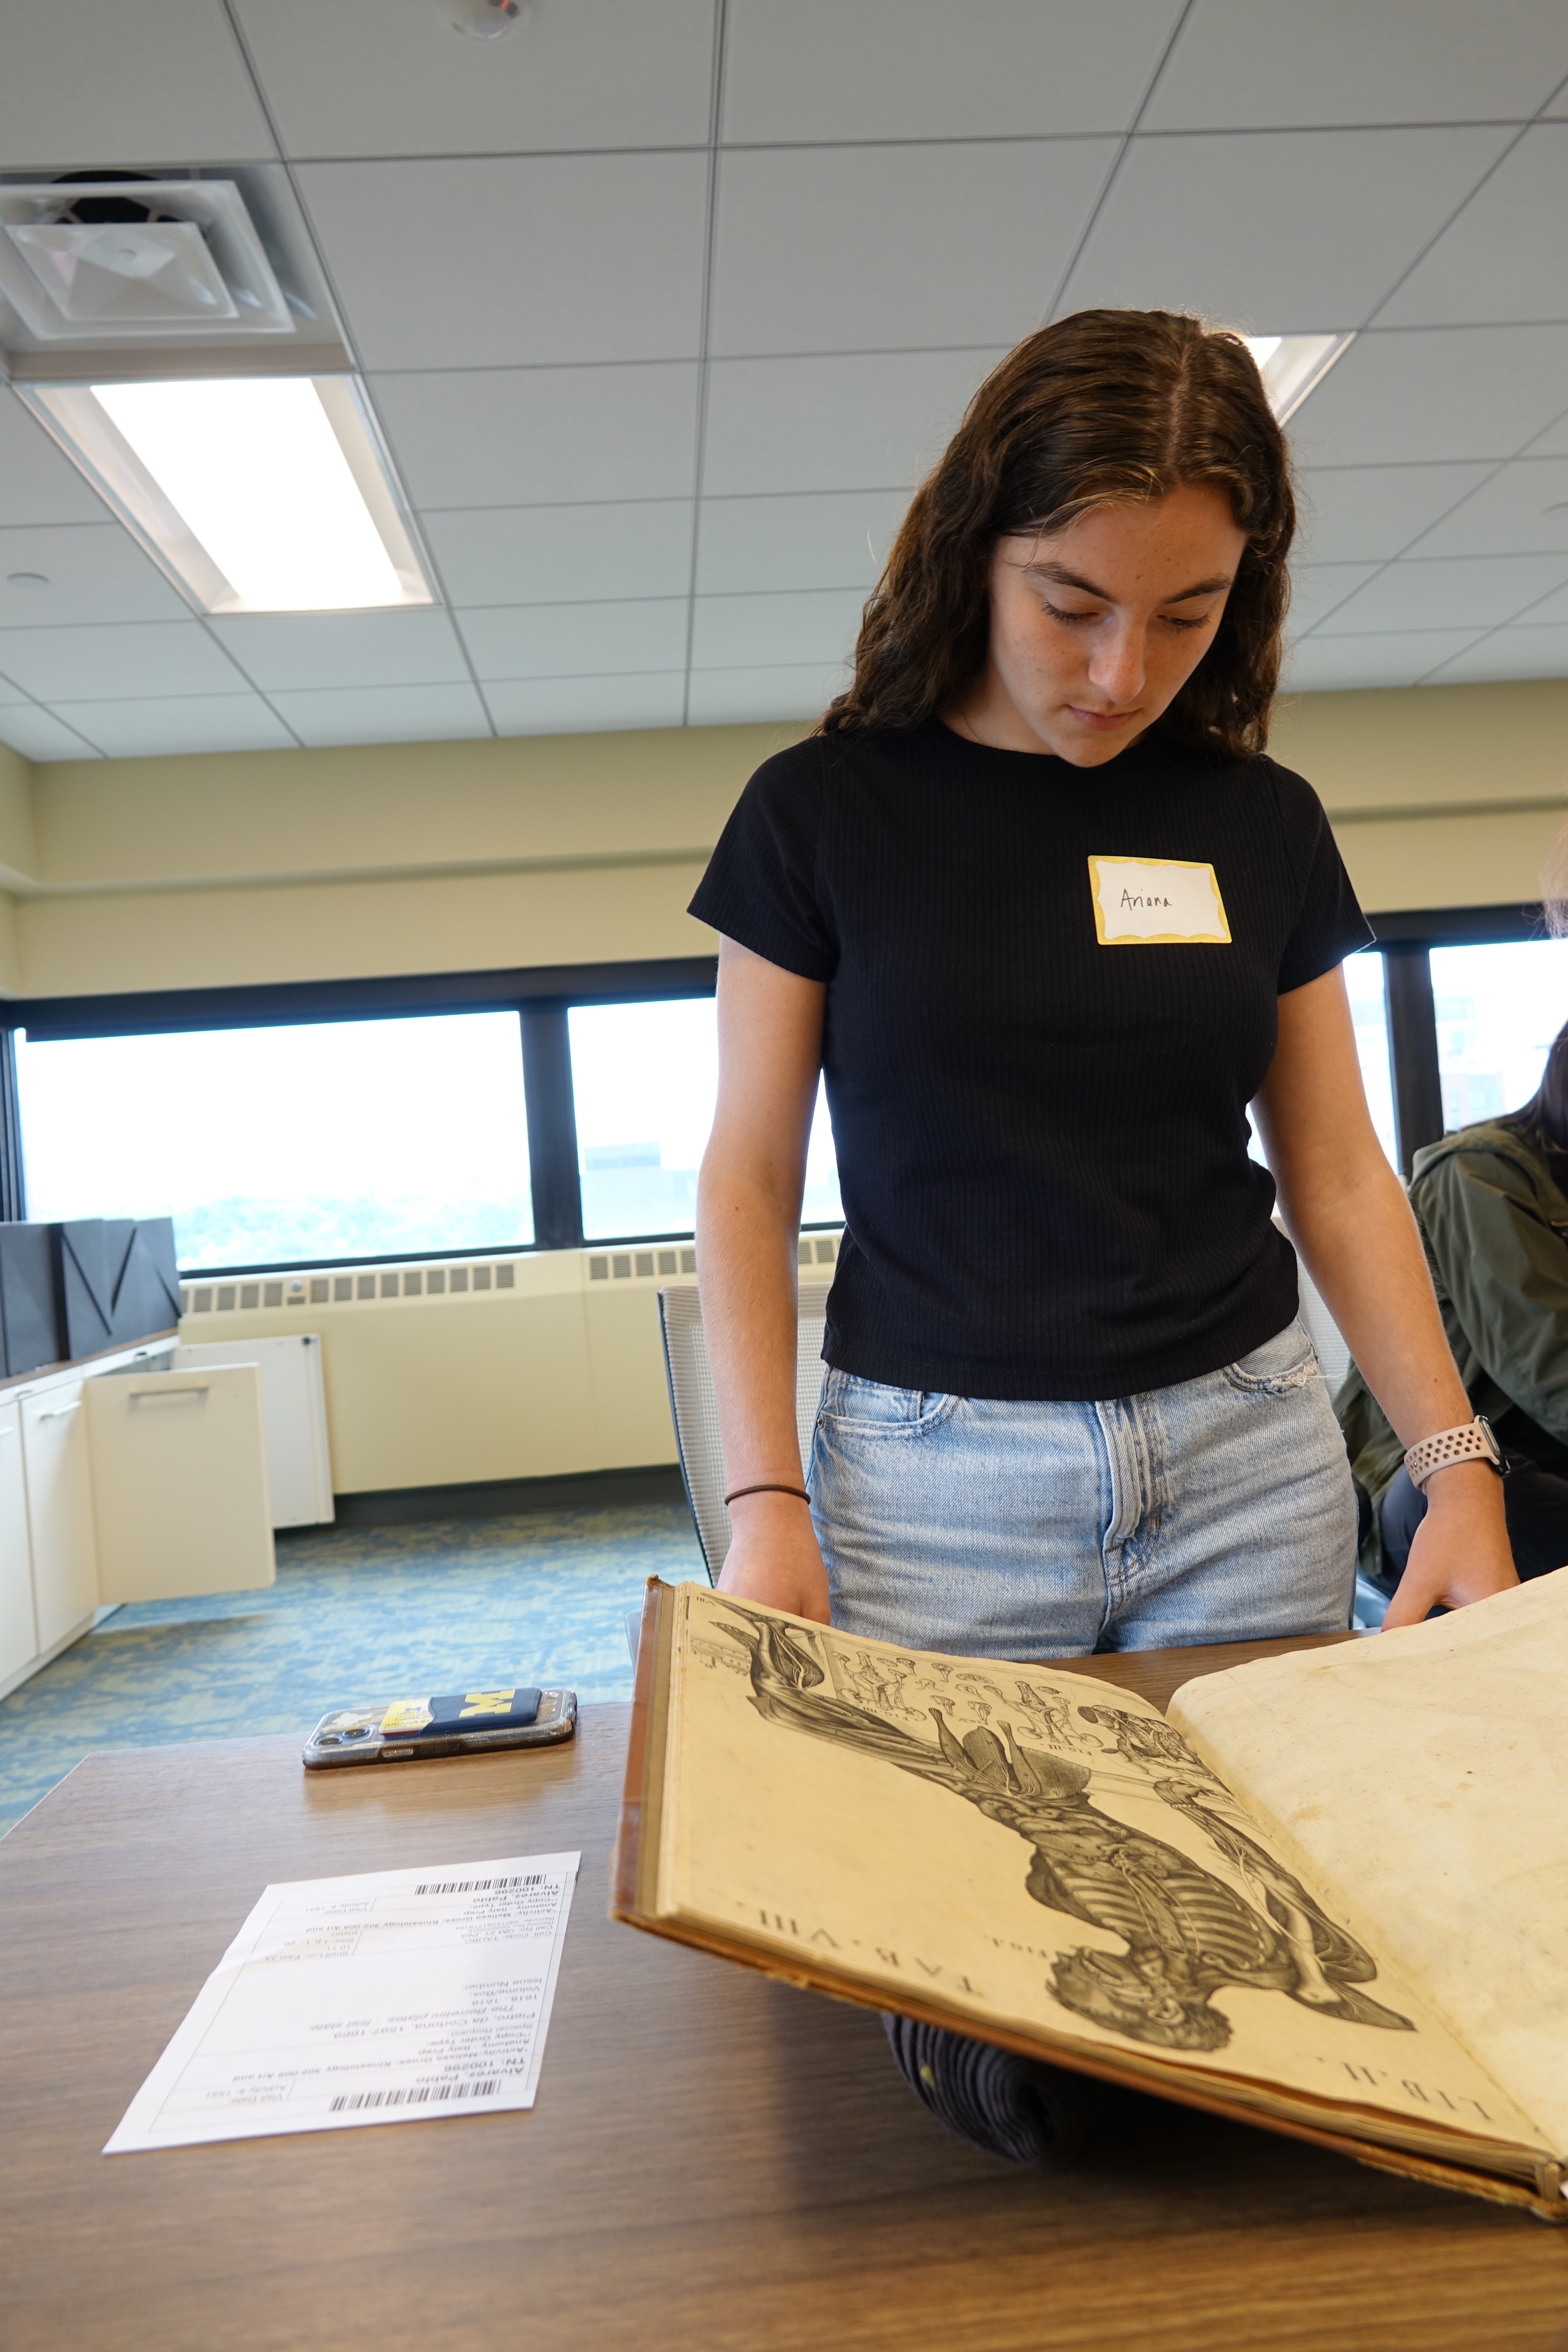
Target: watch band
(1473, 1442)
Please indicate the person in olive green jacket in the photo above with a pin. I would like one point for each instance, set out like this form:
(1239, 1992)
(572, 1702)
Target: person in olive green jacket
(1492, 1203)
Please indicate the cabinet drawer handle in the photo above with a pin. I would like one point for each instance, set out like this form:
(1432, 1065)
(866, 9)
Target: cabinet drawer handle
(160, 1385)
(60, 1411)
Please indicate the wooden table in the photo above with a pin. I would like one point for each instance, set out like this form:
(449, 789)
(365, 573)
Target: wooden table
(715, 2162)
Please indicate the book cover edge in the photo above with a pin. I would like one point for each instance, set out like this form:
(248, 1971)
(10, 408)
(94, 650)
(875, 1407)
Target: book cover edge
(633, 1902)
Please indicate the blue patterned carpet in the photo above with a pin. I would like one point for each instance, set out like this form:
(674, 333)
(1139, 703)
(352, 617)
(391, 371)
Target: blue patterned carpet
(355, 1614)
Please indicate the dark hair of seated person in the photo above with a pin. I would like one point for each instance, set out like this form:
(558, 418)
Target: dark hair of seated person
(1543, 1119)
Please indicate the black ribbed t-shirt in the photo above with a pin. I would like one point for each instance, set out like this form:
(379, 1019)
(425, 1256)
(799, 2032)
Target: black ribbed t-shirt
(1041, 1137)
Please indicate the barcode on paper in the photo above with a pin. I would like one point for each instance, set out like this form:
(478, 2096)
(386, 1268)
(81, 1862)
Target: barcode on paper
(351, 2102)
(477, 1886)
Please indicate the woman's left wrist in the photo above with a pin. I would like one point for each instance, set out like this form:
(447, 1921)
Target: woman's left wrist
(1459, 1480)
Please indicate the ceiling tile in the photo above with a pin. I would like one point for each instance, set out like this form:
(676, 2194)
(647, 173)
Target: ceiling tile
(100, 84)
(1317, 588)
(1447, 593)
(1215, 224)
(745, 632)
(1523, 507)
(1433, 393)
(925, 70)
(38, 735)
(515, 262)
(837, 540)
(199, 722)
(583, 706)
(576, 640)
(126, 659)
(1506, 256)
(839, 423)
(1245, 64)
(1553, 442)
(1552, 607)
(603, 73)
(856, 249)
(722, 698)
(38, 482)
(530, 436)
(1366, 514)
(92, 572)
(281, 650)
(1332, 664)
(384, 714)
(529, 555)
(1522, 652)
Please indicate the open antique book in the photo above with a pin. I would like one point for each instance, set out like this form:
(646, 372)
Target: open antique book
(1328, 1892)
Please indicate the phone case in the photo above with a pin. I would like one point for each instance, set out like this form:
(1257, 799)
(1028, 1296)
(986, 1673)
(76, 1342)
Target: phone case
(462, 1724)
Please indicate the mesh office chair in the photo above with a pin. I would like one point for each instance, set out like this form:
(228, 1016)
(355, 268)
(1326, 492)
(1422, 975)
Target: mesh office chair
(695, 1410)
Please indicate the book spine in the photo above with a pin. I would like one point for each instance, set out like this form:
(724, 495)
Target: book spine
(636, 1835)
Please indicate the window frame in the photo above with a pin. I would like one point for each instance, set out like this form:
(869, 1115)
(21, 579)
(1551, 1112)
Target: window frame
(542, 994)
(1407, 939)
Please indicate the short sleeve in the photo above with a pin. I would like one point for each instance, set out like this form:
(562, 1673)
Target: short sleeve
(761, 885)
(1329, 924)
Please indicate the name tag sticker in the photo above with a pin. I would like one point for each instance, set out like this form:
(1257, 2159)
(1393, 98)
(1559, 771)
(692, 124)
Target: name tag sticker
(1156, 902)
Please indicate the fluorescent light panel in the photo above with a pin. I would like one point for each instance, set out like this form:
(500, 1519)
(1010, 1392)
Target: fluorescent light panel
(1294, 365)
(267, 494)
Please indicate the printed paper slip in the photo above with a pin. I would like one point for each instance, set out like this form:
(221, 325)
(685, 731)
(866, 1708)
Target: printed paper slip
(383, 1998)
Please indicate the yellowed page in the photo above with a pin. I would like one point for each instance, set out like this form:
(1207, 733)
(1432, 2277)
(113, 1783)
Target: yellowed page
(1420, 1780)
(1038, 1849)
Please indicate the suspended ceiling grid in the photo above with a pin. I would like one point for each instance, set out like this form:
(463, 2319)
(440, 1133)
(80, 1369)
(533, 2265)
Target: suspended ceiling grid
(664, 306)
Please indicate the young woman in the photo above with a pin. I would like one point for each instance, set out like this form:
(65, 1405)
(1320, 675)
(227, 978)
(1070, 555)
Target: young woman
(1037, 904)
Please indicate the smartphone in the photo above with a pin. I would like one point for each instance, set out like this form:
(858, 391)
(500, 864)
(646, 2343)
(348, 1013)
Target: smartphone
(462, 1723)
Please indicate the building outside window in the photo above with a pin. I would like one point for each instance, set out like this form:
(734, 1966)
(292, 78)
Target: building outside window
(288, 1145)
(644, 1077)
(1369, 1011)
(1498, 1008)
(1365, 984)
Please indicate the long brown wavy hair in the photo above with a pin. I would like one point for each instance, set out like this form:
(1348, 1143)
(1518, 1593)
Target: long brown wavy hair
(1107, 407)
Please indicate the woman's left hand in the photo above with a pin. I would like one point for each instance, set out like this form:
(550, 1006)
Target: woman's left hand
(1461, 1549)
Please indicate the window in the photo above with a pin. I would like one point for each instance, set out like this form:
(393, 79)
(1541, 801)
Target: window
(643, 1077)
(1365, 984)
(1498, 1008)
(1369, 1011)
(347, 1138)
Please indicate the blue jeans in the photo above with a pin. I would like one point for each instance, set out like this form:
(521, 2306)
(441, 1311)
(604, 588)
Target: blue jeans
(1217, 1511)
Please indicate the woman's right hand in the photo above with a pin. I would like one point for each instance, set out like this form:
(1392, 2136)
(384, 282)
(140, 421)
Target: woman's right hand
(775, 1558)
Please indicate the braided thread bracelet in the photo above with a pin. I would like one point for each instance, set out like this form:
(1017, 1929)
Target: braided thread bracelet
(766, 1489)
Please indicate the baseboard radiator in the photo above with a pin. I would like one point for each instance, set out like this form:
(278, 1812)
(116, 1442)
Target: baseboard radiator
(441, 1371)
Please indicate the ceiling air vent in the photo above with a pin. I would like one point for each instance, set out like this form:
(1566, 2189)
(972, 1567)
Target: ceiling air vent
(122, 259)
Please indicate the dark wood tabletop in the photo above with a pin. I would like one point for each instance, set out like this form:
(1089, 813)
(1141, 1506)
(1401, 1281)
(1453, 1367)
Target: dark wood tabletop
(715, 2162)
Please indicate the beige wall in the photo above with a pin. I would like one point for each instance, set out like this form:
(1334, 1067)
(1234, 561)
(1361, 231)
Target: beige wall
(1440, 795)
(215, 871)
(275, 866)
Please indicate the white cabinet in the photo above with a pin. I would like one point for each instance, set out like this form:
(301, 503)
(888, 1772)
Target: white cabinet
(294, 1408)
(179, 1478)
(18, 1633)
(60, 1511)
(120, 1480)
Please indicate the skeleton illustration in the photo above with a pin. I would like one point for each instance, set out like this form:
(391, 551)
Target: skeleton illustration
(1187, 1932)
(1051, 1718)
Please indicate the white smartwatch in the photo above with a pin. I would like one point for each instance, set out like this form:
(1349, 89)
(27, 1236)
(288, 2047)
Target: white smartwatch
(1472, 1443)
